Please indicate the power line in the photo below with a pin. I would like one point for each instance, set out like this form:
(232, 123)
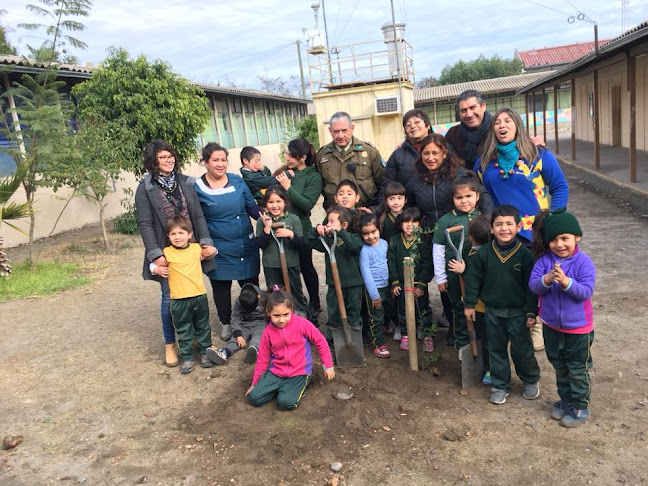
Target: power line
(254, 54)
(348, 19)
(549, 8)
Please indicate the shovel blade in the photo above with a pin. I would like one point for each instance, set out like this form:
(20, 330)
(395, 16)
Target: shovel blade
(472, 367)
(348, 354)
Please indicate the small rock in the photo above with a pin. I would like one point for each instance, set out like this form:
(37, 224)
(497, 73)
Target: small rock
(11, 441)
(101, 435)
(435, 371)
(386, 428)
(463, 393)
(82, 480)
(343, 394)
(600, 461)
(336, 466)
(142, 480)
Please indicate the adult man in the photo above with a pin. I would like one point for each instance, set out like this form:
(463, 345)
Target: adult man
(466, 137)
(346, 157)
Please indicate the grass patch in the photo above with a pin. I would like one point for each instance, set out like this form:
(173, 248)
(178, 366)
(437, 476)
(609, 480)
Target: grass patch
(44, 278)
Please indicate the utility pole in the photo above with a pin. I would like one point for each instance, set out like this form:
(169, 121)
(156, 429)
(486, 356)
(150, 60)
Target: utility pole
(397, 47)
(301, 70)
(328, 46)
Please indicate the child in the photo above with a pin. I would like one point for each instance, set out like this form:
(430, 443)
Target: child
(248, 322)
(499, 275)
(465, 195)
(274, 202)
(256, 175)
(393, 205)
(401, 246)
(347, 196)
(285, 363)
(347, 251)
(564, 278)
(189, 307)
(478, 233)
(373, 268)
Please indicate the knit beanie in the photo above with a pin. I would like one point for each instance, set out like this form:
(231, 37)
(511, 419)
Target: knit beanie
(560, 222)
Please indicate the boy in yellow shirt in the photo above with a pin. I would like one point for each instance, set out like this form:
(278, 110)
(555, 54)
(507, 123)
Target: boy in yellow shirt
(189, 307)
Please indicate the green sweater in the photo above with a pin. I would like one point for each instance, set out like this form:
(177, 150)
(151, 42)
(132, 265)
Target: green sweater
(398, 250)
(271, 252)
(389, 228)
(501, 280)
(305, 189)
(258, 182)
(347, 255)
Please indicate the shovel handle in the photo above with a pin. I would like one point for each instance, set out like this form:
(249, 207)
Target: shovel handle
(338, 291)
(454, 229)
(472, 335)
(277, 225)
(284, 270)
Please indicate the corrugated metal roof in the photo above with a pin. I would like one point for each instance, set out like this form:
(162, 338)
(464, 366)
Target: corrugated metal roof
(485, 86)
(637, 35)
(550, 56)
(23, 64)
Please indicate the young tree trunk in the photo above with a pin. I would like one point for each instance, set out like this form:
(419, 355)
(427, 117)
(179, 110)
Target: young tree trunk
(102, 208)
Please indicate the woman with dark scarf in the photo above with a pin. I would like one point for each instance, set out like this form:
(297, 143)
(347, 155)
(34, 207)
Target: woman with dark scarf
(400, 166)
(163, 193)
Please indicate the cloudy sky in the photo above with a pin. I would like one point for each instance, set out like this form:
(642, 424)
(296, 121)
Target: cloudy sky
(225, 42)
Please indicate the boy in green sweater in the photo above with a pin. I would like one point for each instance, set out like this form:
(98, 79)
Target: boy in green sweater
(499, 276)
(256, 175)
(410, 243)
(347, 254)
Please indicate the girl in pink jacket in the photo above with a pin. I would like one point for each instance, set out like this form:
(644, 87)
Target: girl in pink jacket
(285, 362)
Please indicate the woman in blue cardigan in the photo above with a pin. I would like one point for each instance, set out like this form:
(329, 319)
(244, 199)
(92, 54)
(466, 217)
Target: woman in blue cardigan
(227, 204)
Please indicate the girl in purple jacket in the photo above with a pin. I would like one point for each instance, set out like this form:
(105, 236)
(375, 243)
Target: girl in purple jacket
(563, 277)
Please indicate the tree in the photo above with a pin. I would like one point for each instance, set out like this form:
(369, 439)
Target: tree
(10, 211)
(480, 68)
(279, 85)
(5, 46)
(40, 133)
(102, 151)
(147, 98)
(427, 82)
(307, 129)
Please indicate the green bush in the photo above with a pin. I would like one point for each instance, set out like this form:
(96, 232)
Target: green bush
(126, 223)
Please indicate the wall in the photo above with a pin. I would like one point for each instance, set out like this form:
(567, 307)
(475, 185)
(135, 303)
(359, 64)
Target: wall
(79, 212)
(608, 77)
(385, 132)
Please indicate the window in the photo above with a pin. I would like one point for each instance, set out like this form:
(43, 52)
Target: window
(238, 128)
(223, 123)
(262, 128)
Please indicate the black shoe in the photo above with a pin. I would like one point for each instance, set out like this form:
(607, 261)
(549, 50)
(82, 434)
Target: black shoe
(450, 341)
(251, 355)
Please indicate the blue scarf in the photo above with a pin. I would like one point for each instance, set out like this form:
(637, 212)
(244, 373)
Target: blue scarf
(507, 157)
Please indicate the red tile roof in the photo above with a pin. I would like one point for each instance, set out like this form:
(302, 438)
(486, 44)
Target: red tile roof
(549, 56)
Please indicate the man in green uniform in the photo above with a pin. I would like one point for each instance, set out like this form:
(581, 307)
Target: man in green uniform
(346, 157)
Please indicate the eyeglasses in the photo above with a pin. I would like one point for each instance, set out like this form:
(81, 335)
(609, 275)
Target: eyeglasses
(164, 158)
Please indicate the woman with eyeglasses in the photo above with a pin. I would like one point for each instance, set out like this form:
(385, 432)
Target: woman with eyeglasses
(161, 194)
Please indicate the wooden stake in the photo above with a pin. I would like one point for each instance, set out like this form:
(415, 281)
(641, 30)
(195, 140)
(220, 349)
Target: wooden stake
(410, 316)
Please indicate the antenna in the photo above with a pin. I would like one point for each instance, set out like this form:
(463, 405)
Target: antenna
(625, 14)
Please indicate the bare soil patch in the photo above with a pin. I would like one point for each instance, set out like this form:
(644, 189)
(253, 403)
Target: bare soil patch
(83, 382)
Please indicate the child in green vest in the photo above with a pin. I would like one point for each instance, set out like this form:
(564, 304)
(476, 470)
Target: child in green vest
(499, 275)
(274, 203)
(465, 195)
(347, 253)
(411, 243)
(256, 175)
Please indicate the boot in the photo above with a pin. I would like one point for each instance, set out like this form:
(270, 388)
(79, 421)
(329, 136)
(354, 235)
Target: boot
(171, 357)
(536, 336)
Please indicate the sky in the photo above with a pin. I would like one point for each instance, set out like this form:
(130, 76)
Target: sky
(231, 43)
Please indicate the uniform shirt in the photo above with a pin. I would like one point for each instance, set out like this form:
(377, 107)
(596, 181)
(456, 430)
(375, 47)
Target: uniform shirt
(185, 271)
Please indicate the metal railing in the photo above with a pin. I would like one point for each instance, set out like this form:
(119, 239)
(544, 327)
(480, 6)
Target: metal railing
(361, 62)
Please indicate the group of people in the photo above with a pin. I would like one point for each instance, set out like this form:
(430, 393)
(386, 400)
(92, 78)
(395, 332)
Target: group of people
(521, 269)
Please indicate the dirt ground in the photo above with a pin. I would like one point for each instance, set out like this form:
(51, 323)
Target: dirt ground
(83, 381)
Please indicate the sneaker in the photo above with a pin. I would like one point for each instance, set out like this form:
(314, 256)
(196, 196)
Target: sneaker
(382, 351)
(225, 332)
(443, 321)
(397, 334)
(205, 362)
(428, 345)
(251, 355)
(390, 327)
(450, 341)
(404, 343)
(531, 391)
(575, 417)
(498, 397)
(560, 409)
(486, 380)
(186, 367)
(216, 356)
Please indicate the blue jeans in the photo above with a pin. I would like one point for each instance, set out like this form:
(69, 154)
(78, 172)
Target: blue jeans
(165, 310)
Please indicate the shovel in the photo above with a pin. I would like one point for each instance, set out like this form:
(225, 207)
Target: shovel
(472, 358)
(347, 342)
(282, 255)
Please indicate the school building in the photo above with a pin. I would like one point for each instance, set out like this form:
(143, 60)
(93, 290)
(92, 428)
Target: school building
(240, 117)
